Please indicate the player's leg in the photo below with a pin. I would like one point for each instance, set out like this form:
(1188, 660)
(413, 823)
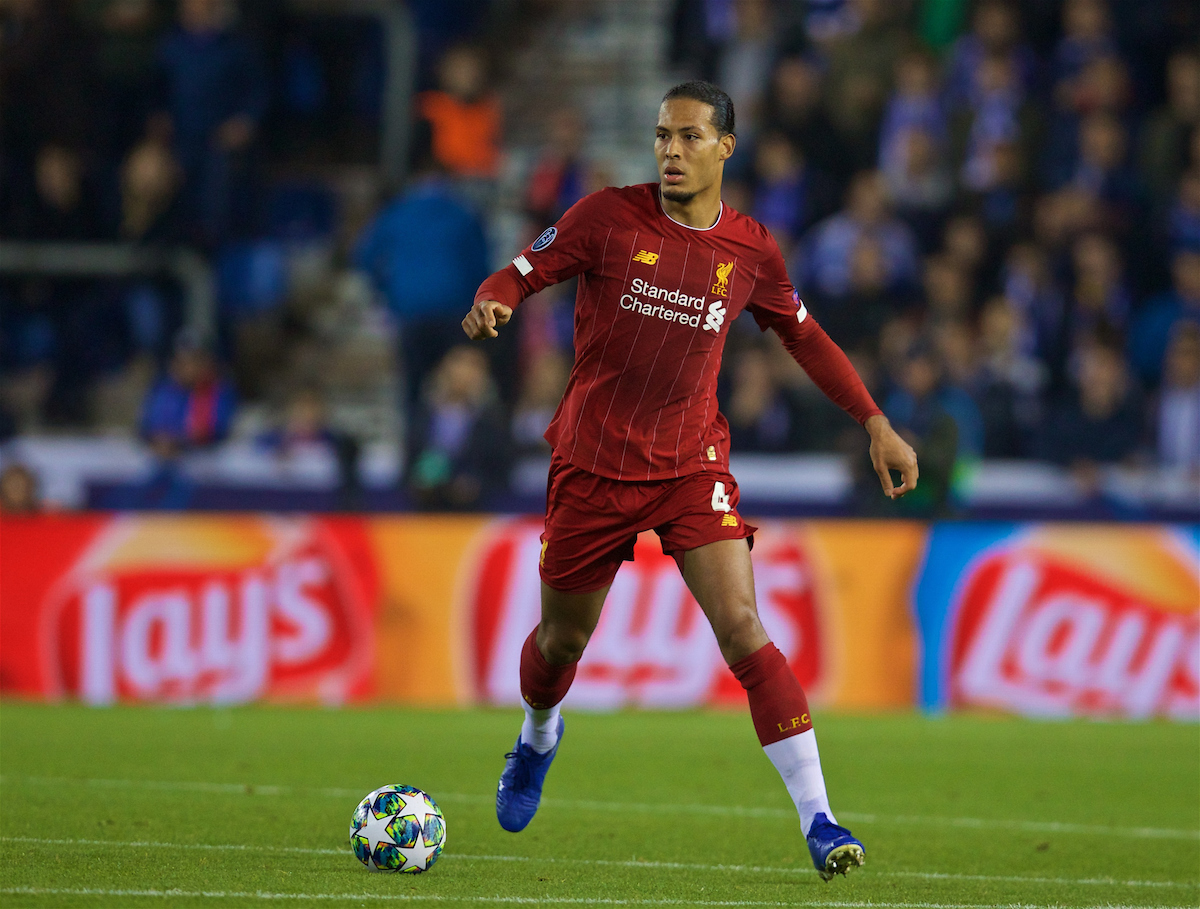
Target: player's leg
(584, 543)
(720, 577)
(550, 656)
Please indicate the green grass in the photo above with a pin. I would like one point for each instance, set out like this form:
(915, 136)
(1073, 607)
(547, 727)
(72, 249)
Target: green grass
(117, 807)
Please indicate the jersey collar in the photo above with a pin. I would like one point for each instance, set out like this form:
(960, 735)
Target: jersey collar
(662, 208)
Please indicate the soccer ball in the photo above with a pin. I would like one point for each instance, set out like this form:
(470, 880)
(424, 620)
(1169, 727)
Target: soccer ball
(397, 828)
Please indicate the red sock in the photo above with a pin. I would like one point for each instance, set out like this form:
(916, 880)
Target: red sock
(777, 702)
(543, 685)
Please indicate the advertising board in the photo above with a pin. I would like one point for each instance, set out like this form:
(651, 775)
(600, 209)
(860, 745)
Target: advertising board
(1062, 620)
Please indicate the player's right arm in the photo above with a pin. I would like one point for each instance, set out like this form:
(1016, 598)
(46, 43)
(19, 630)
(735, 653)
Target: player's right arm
(484, 318)
(559, 253)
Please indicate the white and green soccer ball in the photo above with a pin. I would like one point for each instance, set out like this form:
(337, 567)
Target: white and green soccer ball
(397, 828)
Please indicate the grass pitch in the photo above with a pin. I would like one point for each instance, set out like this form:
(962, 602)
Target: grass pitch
(201, 807)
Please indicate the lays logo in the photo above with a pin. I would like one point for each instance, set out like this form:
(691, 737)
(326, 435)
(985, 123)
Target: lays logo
(211, 609)
(1081, 621)
(653, 646)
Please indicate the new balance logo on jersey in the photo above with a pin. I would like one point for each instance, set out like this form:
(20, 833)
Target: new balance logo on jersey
(715, 317)
(721, 287)
(645, 256)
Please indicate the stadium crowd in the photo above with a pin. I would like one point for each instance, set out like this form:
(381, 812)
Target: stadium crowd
(992, 205)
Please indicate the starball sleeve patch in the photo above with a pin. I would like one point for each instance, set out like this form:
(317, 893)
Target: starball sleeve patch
(544, 240)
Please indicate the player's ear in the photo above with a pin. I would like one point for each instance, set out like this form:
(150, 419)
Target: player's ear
(727, 143)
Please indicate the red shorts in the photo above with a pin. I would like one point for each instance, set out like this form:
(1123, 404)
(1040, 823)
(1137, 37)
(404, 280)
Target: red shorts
(592, 522)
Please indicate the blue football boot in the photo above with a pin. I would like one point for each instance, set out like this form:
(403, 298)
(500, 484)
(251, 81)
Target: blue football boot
(520, 788)
(834, 849)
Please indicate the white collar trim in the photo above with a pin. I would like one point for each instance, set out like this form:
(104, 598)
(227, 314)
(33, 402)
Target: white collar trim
(663, 208)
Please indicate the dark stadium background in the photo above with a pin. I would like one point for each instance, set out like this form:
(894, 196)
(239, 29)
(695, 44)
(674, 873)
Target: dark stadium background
(994, 207)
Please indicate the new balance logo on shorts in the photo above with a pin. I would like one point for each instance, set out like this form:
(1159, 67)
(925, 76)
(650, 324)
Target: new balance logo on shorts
(729, 521)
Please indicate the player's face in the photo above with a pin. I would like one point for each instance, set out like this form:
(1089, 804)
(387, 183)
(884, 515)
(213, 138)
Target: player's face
(689, 149)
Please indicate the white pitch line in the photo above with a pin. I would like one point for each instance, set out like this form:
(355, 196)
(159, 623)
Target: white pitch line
(525, 900)
(635, 863)
(965, 823)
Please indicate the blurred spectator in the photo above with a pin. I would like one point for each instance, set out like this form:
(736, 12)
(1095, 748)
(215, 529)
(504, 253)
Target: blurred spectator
(793, 107)
(458, 450)
(1103, 171)
(924, 390)
(915, 106)
(541, 391)
(1099, 299)
(19, 490)
(999, 120)
(126, 33)
(1087, 35)
(965, 241)
(1183, 224)
(1169, 130)
(1177, 411)
(560, 176)
(855, 320)
(939, 421)
(995, 31)
(305, 426)
(861, 68)
(759, 413)
(920, 184)
(1151, 330)
(306, 435)
(1102, 88)
(788, 194)
(426, 252)
(956, 346)
(1029, 285)
(48, 95)
(744, 61)
(191, 406)
(214, 98)
(913, 145)
(1009, 384)
(151, 214)
(828, 248)
(948, 289)
(1099, 421)
(64, 209)
(150, 200)
(464, 113)
(829, 20)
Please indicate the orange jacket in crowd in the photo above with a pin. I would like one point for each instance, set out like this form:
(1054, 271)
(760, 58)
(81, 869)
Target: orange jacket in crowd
(466, 135)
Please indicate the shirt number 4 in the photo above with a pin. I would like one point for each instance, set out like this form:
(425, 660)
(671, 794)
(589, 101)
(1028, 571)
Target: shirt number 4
(720, 498)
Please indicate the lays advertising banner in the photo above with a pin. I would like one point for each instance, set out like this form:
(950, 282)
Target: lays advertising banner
(1062, 620)
(186, 609)
(1035, 619)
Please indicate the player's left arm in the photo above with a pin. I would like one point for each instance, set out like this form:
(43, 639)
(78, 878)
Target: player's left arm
(782, 310)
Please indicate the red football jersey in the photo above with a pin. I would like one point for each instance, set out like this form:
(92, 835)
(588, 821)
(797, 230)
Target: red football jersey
(653, 309)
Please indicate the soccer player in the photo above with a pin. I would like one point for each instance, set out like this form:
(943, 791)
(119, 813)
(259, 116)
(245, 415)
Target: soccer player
(638, 443)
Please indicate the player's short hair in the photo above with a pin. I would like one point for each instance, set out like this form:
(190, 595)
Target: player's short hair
(707, 93)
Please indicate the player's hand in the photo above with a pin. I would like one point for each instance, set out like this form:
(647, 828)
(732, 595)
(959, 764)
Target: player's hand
(890, 452)
(484, 317)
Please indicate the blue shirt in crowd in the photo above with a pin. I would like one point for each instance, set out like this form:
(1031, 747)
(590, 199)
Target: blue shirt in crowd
(425, 251)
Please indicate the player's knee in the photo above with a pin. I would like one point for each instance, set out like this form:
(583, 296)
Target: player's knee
(740, 635)
(562, 643)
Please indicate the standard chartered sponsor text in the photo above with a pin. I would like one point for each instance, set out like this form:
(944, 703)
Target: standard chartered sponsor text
(689, 314)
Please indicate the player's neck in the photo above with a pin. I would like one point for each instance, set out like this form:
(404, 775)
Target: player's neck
(700, 212)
